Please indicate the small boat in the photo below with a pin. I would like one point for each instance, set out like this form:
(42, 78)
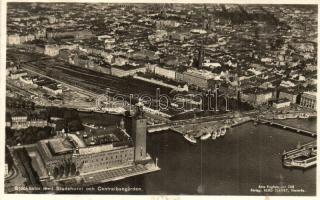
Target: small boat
(115, 113)
(223, 131)
(99, 111)
(281, 117)
(190, 138)
(198, 135)
(218, 132)
(214, 135)
(292, 116)
(269, 117)
(303, 116)
(205, 136)
(84, 110)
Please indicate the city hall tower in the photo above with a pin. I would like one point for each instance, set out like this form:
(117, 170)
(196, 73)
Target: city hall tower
(139, 131)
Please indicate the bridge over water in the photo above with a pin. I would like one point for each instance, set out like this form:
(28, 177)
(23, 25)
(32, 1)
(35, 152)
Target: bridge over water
(289, 127)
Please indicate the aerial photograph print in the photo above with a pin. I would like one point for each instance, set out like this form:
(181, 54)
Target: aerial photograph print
(160, 99)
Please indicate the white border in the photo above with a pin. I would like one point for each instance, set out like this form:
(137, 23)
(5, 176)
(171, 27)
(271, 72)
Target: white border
(152, 197)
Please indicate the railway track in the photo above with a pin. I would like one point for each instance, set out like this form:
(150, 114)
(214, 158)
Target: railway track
(25, 164)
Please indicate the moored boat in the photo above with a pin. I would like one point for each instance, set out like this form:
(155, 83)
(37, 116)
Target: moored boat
(214, 135)
(99, 111)
(281, 117)
(292, 116)
(114, 111)
(303, 116)
(199, 134)
(223, 131)
(205, 136)
(218, 132)
(190, 138)
(84, 110)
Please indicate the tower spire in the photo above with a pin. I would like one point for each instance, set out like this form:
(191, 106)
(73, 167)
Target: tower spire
(139, 131)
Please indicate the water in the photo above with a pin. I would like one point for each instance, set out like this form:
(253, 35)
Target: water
(247, 156)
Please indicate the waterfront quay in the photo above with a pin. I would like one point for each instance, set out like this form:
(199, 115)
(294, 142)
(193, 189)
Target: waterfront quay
(114, 175)
(284, 126)
(204, 128)
(230, 119)
(200, 128)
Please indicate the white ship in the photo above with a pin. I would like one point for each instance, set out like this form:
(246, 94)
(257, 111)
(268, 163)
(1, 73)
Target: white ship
(90, 126)
(190, 138)
(187, 111)
(292, 116)
(115, 111)
(205, 136)
(303, 116)
(280, 117)
(223, 131)
(214, 135)
(218, 132)
(84, 109)
(99, 111)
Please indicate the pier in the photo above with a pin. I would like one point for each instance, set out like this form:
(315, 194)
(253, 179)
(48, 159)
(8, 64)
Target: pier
(234, 121)
(158, 127)
(195, 126)
(304, 156)
(289, 127)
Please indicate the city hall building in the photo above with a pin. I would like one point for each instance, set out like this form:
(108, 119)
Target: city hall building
(66, 157)
(75, 155)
